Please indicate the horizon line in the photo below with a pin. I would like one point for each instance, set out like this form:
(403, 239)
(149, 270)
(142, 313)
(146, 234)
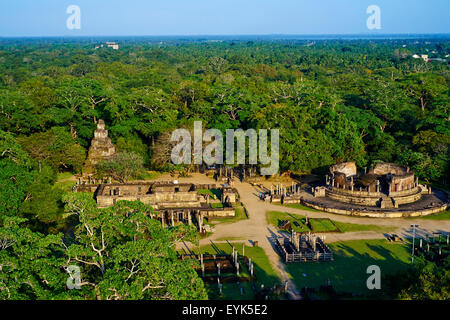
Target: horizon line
(235, 35)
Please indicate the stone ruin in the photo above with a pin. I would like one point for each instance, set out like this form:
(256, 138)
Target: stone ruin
(284, 194)
(386, 185)
(173, 202)
(386, 190)
(101, 148)
(302, 247)
(245, 173)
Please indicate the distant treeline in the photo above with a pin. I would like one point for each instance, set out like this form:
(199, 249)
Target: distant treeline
(333, 100)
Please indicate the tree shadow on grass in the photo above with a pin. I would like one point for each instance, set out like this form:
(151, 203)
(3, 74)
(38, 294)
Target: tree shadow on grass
(265, 275)
(348, 271)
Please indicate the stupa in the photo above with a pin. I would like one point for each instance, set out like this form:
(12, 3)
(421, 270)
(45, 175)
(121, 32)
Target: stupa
(101, 148)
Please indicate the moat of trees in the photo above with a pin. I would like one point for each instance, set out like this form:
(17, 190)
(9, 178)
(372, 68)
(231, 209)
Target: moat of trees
(333, 101)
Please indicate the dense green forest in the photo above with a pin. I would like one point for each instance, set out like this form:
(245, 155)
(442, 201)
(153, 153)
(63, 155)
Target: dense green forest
(359, 100)
(333, 101)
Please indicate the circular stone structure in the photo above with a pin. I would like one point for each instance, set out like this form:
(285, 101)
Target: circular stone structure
(385, 190)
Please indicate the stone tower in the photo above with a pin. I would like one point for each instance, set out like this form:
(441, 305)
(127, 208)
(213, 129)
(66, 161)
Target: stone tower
(101, 148)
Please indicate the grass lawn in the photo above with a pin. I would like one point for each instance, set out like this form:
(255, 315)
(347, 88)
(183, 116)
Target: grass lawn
(149, 175)
(348, 270)
(240, 214)
(321, 225)
(352, 227)
(297, 221)
(230, 238)
(230, 291)
(262, 267)
(64, 182)
(213, 193)
(438, 216)
(64, 175)
(298, 206)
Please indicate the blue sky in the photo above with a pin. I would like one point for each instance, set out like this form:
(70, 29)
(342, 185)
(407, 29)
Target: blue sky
(225, 17)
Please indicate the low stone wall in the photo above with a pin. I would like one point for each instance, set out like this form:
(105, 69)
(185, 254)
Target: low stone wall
(291, 200)
(377, 214)
(254, 179)
(184, 204)
(358, 193)
(206, 186)
(355, 192)
(275, 199)
(403, 193)
(85, 187)
(373, 199)
(354, 198)
(179, 199)
(407, 199)
(220, 212)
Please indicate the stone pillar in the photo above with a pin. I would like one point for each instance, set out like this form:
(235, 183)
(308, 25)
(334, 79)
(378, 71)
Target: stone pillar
(189, 217)
(173, 222)
(200, 221)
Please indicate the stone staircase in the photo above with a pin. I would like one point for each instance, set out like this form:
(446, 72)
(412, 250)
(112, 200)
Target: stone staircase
(387, 203)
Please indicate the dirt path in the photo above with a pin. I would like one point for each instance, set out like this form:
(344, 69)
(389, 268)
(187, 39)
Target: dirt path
(256, 228)
(402, 226)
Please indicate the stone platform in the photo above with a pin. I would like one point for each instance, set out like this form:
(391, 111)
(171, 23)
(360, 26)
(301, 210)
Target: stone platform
(428, 204)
